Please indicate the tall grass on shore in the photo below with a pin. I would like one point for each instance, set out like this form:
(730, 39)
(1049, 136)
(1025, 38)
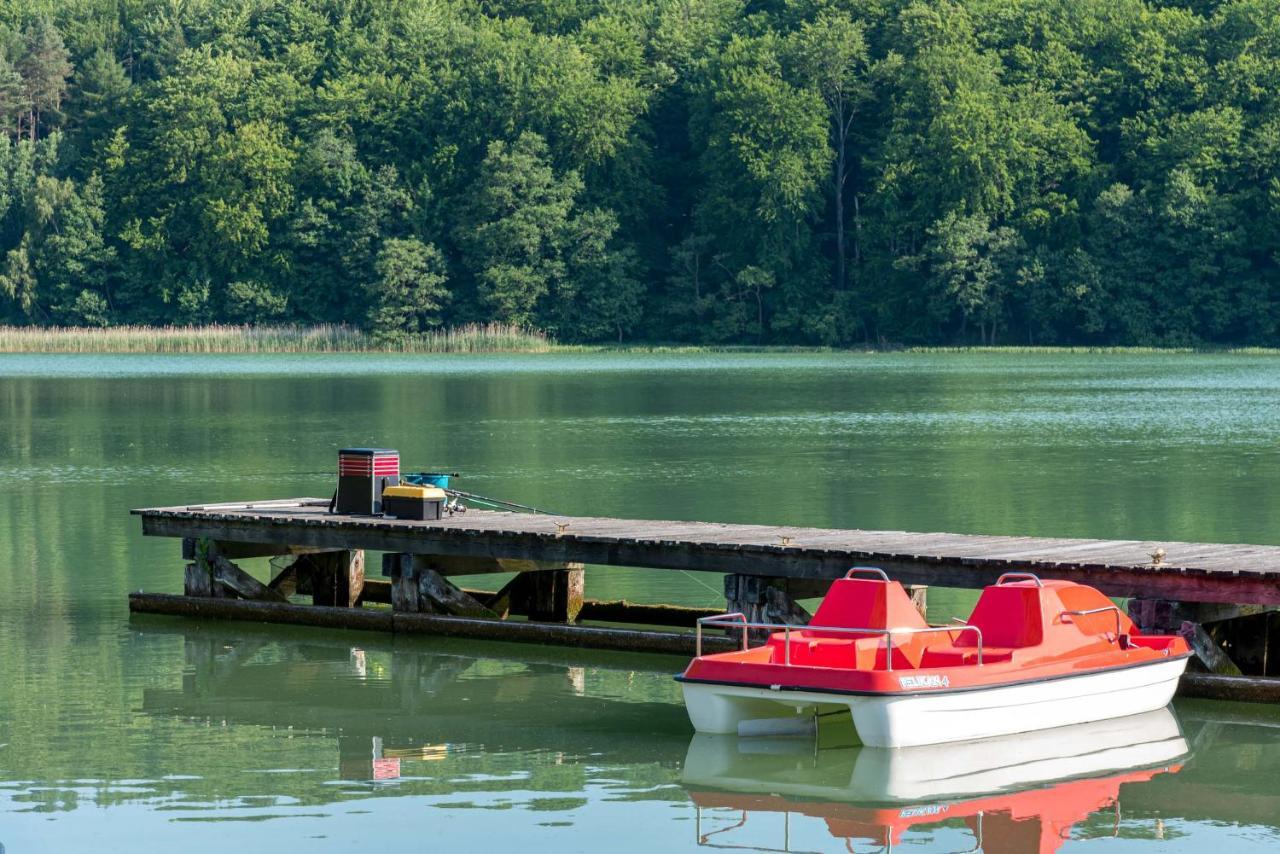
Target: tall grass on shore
(472, 338)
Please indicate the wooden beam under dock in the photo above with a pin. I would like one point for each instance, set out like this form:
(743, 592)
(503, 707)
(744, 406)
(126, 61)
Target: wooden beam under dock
(368, 619)
(597, 610)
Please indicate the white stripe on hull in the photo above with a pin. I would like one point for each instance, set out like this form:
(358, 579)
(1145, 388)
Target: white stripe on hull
(909, 720)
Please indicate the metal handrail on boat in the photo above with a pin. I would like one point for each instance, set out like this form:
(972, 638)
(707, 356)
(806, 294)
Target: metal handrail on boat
(738, 620)
(862, 570)
(1090, 611)
(1025, 576)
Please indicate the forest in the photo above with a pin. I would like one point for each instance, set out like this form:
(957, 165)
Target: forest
(808, 172)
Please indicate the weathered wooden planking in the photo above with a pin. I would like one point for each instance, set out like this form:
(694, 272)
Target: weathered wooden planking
(1194, 572)
(751, 535)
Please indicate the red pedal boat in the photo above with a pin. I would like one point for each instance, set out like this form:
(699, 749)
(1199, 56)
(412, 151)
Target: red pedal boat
(1033, 655)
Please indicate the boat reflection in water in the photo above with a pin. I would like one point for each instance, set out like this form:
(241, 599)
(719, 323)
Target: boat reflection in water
(1014, 793)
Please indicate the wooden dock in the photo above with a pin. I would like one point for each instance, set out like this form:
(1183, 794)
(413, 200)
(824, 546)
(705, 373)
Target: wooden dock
(1207, 591)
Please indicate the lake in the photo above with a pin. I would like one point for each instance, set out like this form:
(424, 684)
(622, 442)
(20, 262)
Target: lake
(152, 734)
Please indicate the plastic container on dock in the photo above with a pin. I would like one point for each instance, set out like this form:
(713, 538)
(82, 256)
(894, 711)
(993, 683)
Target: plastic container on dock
(408, 501)
(363, 474)
(440, 480)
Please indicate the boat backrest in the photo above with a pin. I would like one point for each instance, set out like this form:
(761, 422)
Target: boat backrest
(1008, 615)
(867, 603)
(1078, 597)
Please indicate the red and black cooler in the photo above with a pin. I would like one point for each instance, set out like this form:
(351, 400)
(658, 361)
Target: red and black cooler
(362, 475)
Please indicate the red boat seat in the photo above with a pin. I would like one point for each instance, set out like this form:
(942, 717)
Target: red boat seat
(1024, 622)
(857, 603)
(865, 653)
(1008, 615)
(951, 656)
(865, 603)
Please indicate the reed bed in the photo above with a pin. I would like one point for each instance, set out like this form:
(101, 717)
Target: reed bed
(328, 338)
(470, 338)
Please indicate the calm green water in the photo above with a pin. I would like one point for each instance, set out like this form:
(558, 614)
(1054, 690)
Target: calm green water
(161, 735)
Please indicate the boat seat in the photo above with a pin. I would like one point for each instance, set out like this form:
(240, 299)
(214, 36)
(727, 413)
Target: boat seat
(857, 603)
(865, 653)
(1009, 616)
(865, 603)
(950, 656)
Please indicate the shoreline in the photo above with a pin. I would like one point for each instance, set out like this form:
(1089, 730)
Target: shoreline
(493, 338)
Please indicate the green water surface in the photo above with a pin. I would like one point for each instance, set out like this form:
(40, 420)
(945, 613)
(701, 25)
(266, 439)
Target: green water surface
(165, 735)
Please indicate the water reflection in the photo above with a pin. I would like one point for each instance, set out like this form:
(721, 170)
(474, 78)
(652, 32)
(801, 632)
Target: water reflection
(443, 716)
(555, 738)
(1017, 793)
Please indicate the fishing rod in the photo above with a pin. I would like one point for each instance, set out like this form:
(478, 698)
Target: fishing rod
(498, 502)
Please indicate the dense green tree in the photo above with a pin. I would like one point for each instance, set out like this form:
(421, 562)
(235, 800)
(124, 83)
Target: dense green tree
(792, 171)
(99, 102)
(514, 227)
(207, 182)
(969, 267)
(12, 98)
(343, 211)
(832, 53)
(58, 270)
(408, 291)
(601, 295)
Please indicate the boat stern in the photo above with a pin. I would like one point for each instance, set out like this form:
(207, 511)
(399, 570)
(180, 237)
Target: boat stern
(745, 710)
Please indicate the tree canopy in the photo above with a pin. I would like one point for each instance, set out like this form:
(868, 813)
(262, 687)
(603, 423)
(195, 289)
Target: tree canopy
(831, 172)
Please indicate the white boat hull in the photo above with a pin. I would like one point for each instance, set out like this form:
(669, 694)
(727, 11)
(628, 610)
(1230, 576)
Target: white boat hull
(935, 772)
(910, 720)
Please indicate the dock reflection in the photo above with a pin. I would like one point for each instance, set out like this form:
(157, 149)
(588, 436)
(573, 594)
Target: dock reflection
(397, 709)
(1015, 794)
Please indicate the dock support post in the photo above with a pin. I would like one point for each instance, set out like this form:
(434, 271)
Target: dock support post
(554, 595)
(1204, 625)
(762, 600)
(1212, 656)
(417, 587)
(919, 594)
(198, 575)
(197, 581)
(439, 595)
(402, 571)
(211, 574)
(337, 578)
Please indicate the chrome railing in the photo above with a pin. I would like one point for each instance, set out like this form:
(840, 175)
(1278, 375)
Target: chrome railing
(1022, 576)
(1091, 611)
(738, 620)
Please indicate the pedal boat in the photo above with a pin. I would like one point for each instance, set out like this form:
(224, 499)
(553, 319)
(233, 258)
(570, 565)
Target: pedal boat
(1033, 655)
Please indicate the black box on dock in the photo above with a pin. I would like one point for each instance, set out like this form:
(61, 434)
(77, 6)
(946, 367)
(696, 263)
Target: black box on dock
(363, 474)
(421, 503)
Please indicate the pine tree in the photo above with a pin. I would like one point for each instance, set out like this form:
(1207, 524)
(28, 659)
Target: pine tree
(12, 97)
(45, 66)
